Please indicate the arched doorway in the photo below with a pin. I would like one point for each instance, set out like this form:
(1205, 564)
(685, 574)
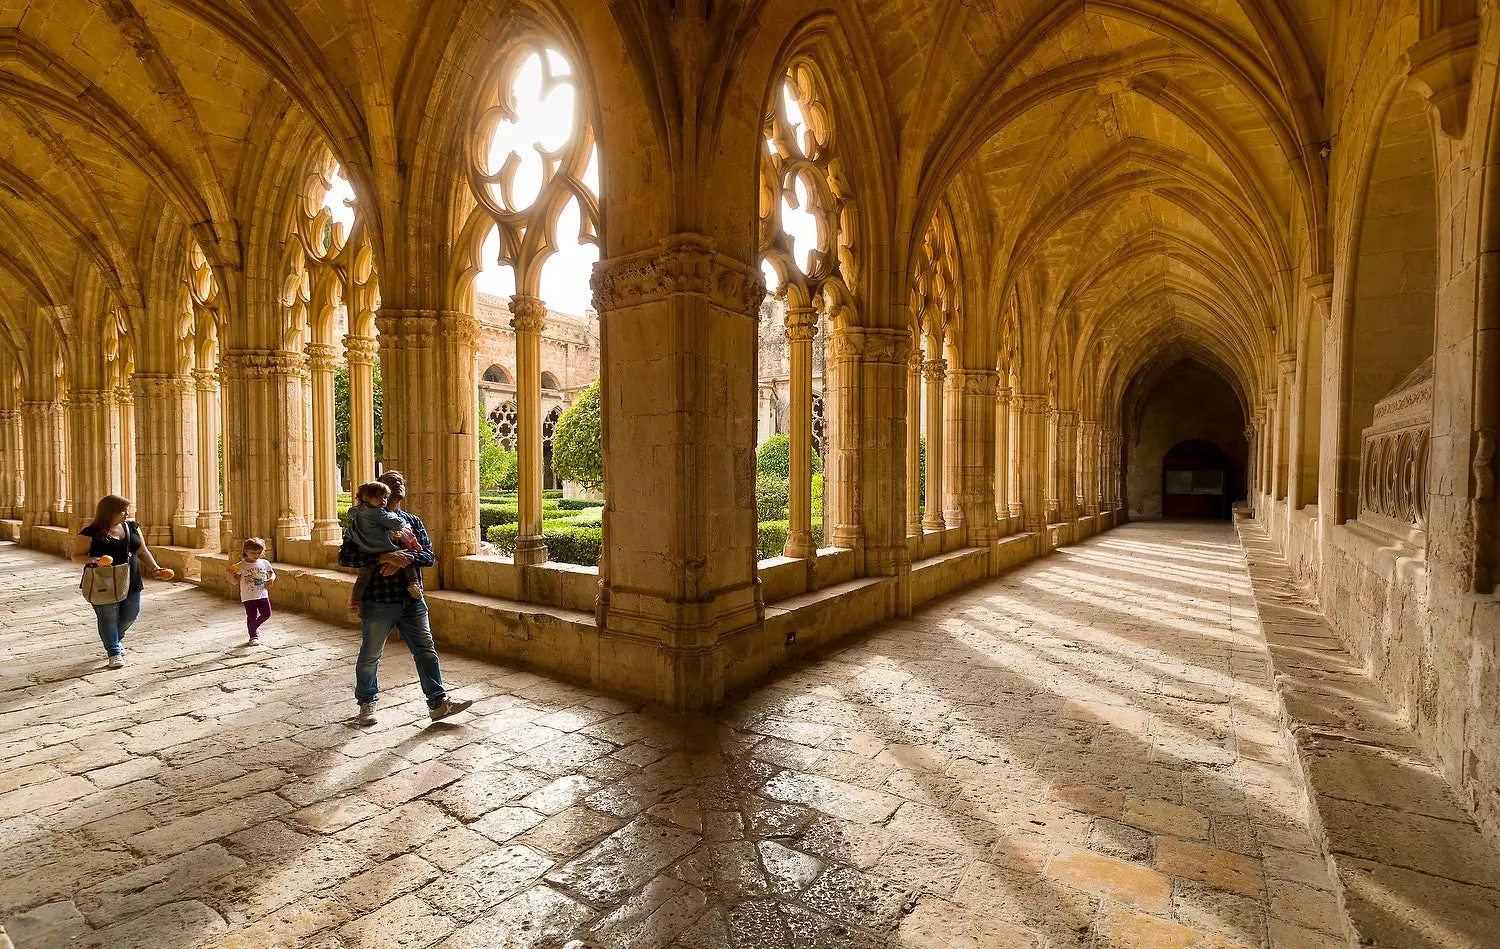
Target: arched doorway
(1196, 480)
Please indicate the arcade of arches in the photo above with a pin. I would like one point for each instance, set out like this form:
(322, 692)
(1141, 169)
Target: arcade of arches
(1065, 264)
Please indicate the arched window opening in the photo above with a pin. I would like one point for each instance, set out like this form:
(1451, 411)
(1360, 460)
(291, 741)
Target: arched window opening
(534, 173)
(496, 376)
(807, 219)
(1392, 328)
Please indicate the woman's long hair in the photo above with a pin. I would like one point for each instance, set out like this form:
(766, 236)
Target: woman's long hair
(104, 514)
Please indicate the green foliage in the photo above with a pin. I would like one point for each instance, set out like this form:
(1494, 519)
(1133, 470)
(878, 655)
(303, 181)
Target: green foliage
(492, 514)
(342, 413)
(771, 494)
(774, 456)
(553, 493)
(770, 538)
(578, 441)
(566, 543)
(577, 504)
(496, 465)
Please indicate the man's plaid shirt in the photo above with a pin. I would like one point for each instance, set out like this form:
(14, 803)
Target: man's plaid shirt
(390, 589)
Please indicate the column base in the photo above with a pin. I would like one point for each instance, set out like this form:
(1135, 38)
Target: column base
(530, 551)
(325, 532)
(933, 523)
(799, 544)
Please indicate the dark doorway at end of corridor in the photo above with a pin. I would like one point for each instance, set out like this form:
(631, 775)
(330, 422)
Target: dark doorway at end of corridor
(1198, 481)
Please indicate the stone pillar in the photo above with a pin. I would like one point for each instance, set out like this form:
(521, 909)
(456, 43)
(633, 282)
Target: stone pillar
(362, 352)
(12, 464)
(1088, 458)
(934, 371)
(1067, 465)
(954, 413)
(1033, 460)
(1252, 465)
(427, 361)
(125, 419)
(1286, 425)
(1003, 453)
(46, 468)
(1054, 506)
(210, 501)
(166, 436)
(309, 483)
(678, 576)
(883, 386)
(975, 451)
(528, 319)
(842, 472)
(801, 324)
(90, 445)
(264, 469)
(914, 465)
(321, 361)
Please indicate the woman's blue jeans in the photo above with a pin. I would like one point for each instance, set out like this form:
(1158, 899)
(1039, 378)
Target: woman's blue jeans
(116, 618)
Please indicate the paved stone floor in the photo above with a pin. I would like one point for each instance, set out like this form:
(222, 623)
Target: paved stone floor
(1082, 753)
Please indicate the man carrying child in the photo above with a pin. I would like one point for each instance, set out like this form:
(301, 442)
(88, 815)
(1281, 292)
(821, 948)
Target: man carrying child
(387, 602)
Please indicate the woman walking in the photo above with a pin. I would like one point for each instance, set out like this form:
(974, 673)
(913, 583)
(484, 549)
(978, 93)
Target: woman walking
(112, 538)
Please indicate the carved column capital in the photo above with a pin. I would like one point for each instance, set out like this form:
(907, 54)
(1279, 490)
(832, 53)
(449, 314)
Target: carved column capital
(528, 314)
(801, 323)
(683, 264)
(158, 384)
(1003, 395)
(935, 370)
(261, 363)
(322, 357)
(207, 380)
(361, 349)
(407, 329)
(82, 397)
(871, 345)
(1287, 363)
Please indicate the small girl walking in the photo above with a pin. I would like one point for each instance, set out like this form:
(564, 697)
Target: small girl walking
(255, 576)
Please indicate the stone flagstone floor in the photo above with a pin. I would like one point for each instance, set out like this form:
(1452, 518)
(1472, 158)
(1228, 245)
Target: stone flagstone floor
(1082, 753)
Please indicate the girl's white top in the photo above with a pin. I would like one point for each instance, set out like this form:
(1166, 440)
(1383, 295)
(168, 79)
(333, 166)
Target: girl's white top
(253, 577)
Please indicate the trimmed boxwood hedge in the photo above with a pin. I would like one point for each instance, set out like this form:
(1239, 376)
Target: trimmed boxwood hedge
(566, 543)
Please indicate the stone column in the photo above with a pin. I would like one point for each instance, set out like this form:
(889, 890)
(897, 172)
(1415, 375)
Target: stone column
(264, 469)
(1033, 460)
(125, 419)
(1054, 506)
(362, 352)
(841, 473)
(210, 501)
(427, 360)
(1286, 425)
(90, 445)
(884, 423)
(678, 576)
(528, 319)
(975, 451)
(321, 360)
(801, 325)
(46, 468)
(1088, 448)
(1003, 453)
(954, 412)
(166, 435)
(12, 464)
(1252, 465)
(914, 444)
(1067, 465)
(934, 371)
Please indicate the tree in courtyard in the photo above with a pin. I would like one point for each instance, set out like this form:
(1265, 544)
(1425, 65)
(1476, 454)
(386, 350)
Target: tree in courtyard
(578, 441)
(497, 467)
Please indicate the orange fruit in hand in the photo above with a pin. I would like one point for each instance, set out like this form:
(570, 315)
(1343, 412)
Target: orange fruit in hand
(165, 574)
(106, 561)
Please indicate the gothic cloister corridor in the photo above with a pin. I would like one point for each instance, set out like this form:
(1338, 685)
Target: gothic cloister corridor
(1085, 752)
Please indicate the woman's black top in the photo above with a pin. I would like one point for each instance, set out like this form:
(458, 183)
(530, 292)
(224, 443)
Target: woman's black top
(121, 548)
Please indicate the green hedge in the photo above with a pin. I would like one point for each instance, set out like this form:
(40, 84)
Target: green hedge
(552, 493)
(578, 504)
(492, 514)
(566, 543)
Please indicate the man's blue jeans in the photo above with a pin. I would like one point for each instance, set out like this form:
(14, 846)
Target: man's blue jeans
(376, 620)
(115, 619)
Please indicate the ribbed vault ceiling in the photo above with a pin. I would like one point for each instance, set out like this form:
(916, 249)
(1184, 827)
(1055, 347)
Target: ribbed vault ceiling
(1136, 175)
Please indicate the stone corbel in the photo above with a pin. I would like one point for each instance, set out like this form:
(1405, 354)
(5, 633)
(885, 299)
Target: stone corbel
(1440, 68)
(1287, 363)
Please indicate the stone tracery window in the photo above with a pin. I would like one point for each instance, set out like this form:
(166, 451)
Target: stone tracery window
(504, 417)
(533, 169)
(807, 216)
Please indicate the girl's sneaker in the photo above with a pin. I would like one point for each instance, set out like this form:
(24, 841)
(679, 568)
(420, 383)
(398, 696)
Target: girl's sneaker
(254, 641)
(116, 661)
